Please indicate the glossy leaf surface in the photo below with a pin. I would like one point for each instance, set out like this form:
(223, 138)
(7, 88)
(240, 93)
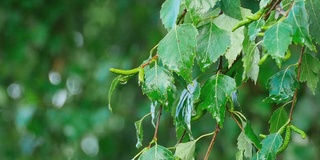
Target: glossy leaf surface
(212, 43)
(214, 95)
(282, 86)
(159, 85)
(177, 50)
(185, 151)
(169, 13)
(310, 68)
(157, 152)
(278, 119)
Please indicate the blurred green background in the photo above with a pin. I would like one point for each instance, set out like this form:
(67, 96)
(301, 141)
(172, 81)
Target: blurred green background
(54, 80)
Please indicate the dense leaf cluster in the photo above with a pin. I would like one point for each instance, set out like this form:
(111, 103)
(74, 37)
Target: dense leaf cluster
(226, 41)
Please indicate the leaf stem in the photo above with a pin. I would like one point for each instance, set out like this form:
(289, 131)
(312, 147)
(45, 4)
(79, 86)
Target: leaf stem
(155, 57)
(216, 131)
(157, 127)
(235, 119)
(295, 96)
(136, 156)
(182, 136)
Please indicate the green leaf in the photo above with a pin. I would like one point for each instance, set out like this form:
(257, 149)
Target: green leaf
(121, 79)
(314, 12)
(250, 60)
(177, 50)
(113, 86)
(185, 106)
(270, 146)
(282, 86)
(239, 155)
(157, 152)
(310, 67)
(139, 133)
(248, 131)
(197, 8)
(278, 119)
(255, 28)
(244, 144)
(214, 95)
(159, 85)
(212, 43)
(185, 151)
(236, 37)
(298, 19)
(169, 13)
(264, 3)
(231, 8)
(277, 39)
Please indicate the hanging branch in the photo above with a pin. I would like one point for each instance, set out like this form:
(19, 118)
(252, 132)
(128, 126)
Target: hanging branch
(216, 131)
(295, 96)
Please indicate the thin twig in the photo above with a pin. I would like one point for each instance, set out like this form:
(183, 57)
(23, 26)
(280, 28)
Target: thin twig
(157, 127)
(149, 61)
(295, 96)
(182, 136)
(272, 8)
(235, 119)
(182, 15)
(216, 131)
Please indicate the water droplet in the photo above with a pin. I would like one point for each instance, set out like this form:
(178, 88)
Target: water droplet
(123, 82)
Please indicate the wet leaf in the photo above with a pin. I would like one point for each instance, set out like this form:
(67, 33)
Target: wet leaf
(214, 95)
(185, 151)
(169, 13)
(185, 106)
(310, 68)
(157, 152)
(159, 85)
(282, 86)
(177, 50)
(278, 119)
(212, 43)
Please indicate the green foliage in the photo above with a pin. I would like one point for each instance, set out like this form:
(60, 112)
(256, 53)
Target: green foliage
(278, 119)
(177, 50)
(310, 71)
(231, 8)
(313, 12)
(227, 42)
(198, 8)
(215, 94)
(282, 86)
(169, 13)
(277, 39)
(244, 145)
(250, 60)
(186, 150)
(185, 106)
(209, 37)
(298, 19)
(157, 152)
(270, 146)
(159, 85)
